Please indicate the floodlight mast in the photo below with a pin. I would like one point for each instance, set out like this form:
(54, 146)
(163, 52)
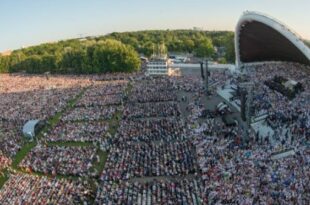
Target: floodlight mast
(248, 87)
(207, 77)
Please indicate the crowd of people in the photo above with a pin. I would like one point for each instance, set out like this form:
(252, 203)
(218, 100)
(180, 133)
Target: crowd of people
(153, 90)
(152, 142)
(116, 76)
(128, 160)
(102, 100)
(89, 131)
(250, 176)
(150, 95)
(106, 88)
(89, 113)
(30, 189)
(159, 156)
(4, 162)
(41, 97)
(10, 142)
(26, 97)
(283, 112)
(10, 138)
(185, 191)
(61, 160)
(189, 83)
(141, 130)
(35, 97)
(144, 110)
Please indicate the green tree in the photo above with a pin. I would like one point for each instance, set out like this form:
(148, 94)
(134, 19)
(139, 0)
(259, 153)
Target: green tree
(33, 64)
(205, 48)
(230, 48)
(113, 56)
(4, 64)
(73, 61)
(189, 45)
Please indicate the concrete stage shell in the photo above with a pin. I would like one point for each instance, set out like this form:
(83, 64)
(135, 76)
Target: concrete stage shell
(260, 38)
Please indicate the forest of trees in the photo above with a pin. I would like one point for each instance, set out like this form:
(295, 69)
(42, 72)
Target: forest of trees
(116, 52)
(73, 57)
(199, 43)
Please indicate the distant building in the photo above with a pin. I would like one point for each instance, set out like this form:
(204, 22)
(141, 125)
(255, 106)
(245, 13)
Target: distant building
(158, 66)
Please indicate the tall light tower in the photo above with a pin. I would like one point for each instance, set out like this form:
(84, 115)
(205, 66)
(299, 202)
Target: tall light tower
(249, 102)
(201, 71)
(248, 87)
(207, 77)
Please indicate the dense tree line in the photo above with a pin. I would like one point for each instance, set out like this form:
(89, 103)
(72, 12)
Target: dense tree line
(199, 43)
(73, 56)
(116, 52)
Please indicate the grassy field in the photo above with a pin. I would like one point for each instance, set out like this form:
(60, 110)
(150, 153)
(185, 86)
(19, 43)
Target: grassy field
(3, 178)
(22, 153)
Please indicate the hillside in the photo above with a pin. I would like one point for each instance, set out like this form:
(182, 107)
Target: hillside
(189, 41)
(115, 52)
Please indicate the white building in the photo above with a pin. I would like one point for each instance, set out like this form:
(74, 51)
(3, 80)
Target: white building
(158, 66)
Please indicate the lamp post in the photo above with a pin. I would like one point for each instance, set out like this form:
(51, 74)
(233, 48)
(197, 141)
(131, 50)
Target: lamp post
(207, 77)
(201, 71)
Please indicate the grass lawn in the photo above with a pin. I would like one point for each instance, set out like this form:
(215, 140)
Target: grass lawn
(22, 153)
(3, 178)
(103, 158)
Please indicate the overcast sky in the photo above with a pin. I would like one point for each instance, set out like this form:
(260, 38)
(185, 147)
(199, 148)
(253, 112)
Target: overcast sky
(30, 22)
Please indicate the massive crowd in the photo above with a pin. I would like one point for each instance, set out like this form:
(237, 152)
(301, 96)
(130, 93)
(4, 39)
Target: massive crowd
(151, 110)
(146, 130)
(151, 95)
(102, 100)
(41, 97)
(29, 189)
(250, 176)
(185, 191)
(60, 160)
(89, 131)
(10, 138)
(116, 76)
(293, 114)
(4, 162)
(36, 97)
(152, 142)
(189, 83)
(99, 102)
(159, 156)
(89, 113)
(31, 97)
(153, 90)
(128, 160)
(106, 88)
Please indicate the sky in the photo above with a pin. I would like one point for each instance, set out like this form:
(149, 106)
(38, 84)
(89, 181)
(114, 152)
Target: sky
(31, 22)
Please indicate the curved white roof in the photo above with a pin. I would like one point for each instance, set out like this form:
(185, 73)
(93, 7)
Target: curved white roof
(284, 30)
(28, 128)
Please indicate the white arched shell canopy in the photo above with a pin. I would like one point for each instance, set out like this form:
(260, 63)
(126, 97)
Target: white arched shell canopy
(260, 38)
